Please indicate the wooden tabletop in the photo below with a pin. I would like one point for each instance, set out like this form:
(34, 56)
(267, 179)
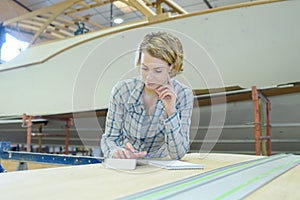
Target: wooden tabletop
(98, 182)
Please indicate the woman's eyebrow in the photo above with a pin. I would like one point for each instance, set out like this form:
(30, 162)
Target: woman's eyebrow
(144, 65)
(154, 67)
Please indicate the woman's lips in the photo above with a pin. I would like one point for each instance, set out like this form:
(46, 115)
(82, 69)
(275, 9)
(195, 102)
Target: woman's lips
(151, 84)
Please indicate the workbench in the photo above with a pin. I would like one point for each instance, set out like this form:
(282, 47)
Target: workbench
(95, 181)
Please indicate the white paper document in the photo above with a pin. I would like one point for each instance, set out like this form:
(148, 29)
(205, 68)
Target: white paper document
(174, 164)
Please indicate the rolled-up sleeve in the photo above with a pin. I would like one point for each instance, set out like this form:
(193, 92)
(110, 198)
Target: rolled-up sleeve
(178, 125)
(113, 127)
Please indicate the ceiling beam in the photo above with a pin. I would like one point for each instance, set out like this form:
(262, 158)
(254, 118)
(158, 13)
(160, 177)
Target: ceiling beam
(52, 18)
(141, 6)
(82, 19)
(175, 6)
(86, 6)
(57, 11)
(54, 8)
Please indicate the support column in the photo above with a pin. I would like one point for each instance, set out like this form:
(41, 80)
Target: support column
(257, 120)
(268, 108)
(27, 123)
(262, 137)
(67, 138)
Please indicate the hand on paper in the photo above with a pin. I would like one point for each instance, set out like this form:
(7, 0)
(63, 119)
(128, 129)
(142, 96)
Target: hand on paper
(128, 152)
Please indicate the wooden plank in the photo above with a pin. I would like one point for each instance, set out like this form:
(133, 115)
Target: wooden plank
(175, 7)
(58, 9)
(96, 181)
(142, 7)
(86, 6)
(78, 18)
(285, 186)
(55, 8)
(99, 180)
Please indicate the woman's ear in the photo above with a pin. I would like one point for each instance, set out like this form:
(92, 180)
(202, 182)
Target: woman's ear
(171, 68)
(172, 71)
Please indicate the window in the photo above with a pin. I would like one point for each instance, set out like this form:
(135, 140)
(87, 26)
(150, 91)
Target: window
(12, 47)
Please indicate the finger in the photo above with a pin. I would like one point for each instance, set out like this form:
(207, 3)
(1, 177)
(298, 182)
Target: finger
(166, 97)
(162, 87)
(129, 147)
(141, 154)
(128, 154)
(163, 94)
(120, 154)
(117, 154)
(167, 93)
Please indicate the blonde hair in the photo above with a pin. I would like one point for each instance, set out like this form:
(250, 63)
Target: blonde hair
(164, 46)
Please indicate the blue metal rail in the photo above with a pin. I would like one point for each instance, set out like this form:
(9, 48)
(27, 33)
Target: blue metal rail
(6, 154)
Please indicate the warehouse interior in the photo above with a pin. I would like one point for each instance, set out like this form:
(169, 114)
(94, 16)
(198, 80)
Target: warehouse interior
(241, 60)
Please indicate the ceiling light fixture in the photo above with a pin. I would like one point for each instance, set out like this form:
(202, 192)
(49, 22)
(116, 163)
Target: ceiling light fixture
(118, 20)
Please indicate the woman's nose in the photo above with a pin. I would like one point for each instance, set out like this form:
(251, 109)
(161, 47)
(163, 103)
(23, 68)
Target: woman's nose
(149, 75)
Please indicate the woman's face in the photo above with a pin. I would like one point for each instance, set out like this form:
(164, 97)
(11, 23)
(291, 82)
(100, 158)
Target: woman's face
(154, 71)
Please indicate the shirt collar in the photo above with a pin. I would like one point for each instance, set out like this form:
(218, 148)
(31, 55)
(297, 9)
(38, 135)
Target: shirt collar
(135, 98)
(136, 94)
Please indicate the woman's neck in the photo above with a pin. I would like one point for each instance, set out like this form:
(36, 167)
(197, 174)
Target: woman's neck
(149, 99)
(150, 93)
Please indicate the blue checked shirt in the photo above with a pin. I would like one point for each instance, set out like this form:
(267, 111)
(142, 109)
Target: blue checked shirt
(125, 118)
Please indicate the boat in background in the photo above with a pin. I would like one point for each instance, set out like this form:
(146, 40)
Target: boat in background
(227, 51)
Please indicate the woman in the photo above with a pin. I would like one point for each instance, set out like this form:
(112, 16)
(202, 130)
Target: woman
(150, 115)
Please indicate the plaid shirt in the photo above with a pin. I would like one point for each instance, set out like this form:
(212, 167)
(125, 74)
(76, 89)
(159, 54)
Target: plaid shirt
(125, 117)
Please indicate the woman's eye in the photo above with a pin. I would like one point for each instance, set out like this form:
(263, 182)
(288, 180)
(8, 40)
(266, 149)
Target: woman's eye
(158, 71)
(144, 68)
